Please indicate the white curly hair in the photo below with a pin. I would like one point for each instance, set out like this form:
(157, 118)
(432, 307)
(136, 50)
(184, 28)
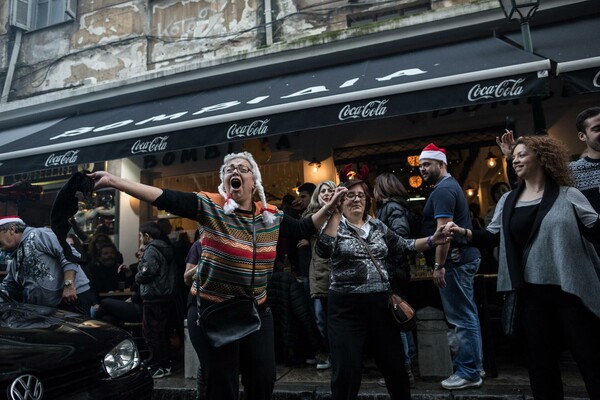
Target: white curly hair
(230, 204)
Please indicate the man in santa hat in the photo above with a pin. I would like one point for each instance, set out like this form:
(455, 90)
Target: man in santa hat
(455, 265)
(37, 270)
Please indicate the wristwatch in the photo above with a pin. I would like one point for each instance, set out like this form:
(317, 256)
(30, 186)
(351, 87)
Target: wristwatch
(437, 266)
(67, 283)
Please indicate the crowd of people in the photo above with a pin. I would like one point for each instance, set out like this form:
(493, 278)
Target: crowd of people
(320, 269)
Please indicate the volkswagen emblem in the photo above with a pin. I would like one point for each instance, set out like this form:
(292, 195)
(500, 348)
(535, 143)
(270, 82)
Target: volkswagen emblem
(26, 387)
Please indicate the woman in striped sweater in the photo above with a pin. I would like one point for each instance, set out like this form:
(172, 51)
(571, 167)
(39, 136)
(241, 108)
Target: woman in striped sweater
(228, 221)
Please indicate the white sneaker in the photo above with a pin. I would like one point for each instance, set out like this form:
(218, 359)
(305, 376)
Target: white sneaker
(157, 373)
(455, 382)
(312, 361)
(324, 363)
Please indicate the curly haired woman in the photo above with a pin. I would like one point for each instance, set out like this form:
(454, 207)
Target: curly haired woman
(544, 228)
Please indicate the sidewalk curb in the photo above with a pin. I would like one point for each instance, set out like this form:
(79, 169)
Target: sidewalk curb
(301, 392)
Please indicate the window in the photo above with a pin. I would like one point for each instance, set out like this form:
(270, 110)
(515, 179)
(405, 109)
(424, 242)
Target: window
(36, 14)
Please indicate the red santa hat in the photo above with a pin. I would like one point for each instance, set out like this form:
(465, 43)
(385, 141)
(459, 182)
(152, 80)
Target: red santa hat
(432, 152)
(10, 219)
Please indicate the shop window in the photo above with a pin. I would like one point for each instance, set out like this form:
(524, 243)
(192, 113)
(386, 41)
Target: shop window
(36, 14)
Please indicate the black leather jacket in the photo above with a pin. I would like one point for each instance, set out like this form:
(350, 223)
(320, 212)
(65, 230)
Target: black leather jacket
(157, 272)
(395, 216)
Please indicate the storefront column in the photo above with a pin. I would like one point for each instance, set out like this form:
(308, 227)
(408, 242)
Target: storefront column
(128, 214)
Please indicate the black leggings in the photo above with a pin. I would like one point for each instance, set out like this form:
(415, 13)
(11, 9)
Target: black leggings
(550, 317)
(252, 356)
(355, 320)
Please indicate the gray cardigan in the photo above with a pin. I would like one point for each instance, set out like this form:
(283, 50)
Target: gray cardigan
(557, 253)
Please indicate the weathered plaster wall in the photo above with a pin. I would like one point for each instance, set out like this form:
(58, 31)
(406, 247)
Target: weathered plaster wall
(3, 37)
(116, 39)
(181, 31)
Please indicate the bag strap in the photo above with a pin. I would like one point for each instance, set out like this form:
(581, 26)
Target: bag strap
(366, 246)
(253, 252)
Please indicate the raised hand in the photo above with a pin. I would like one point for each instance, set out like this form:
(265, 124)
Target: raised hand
(505, 142)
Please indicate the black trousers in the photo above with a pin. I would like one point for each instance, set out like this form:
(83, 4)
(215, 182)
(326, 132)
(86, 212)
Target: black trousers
(119, 311)
(550, 317)
(253, 357)
(194, 335)
(355, 320)
(154, 327)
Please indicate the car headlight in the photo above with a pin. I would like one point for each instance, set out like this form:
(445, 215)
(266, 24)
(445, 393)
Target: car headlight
(123, 358)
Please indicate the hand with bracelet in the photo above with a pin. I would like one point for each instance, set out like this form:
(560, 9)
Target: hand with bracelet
(453, 229)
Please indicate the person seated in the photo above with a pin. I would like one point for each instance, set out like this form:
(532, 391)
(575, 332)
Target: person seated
(105, 274)
(119, 311)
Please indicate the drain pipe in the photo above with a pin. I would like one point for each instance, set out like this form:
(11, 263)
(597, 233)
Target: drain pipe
(268, 23)
(11, 66)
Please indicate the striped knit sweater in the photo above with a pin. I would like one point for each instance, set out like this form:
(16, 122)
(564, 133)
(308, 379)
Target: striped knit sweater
(586, 172)
(226, 260)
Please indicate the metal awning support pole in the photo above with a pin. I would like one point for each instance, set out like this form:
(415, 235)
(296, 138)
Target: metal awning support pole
(11, 66)
(537, 109)
(268, 23)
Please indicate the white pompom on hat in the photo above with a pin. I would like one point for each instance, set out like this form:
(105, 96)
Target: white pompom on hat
(432, 152)
(230, 204)
(11, 219)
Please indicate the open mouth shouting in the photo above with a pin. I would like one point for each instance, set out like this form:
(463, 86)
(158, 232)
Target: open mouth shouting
(235, 183)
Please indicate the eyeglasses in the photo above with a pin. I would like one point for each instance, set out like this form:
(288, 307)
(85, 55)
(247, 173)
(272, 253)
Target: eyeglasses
(352, 196)
(241, 168)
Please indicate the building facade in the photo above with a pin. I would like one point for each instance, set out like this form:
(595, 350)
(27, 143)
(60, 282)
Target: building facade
(160, 90)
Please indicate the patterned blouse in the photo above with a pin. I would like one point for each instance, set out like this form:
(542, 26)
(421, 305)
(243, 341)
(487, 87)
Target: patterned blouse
(352, 269)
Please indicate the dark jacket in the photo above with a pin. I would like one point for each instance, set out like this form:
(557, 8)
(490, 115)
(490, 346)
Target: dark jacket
(157, 272)
(395, 216)
(294, 323)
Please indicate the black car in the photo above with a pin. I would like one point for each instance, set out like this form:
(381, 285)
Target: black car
(47, 353)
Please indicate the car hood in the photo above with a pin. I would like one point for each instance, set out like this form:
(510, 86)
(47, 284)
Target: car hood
(34, 338)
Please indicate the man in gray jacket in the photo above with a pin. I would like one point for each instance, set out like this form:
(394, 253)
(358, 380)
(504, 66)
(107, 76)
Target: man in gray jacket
(37, 270)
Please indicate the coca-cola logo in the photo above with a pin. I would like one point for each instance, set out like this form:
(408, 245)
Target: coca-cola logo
(506, 88)
(596, 80)
(150, 146)
(375, 108)
(70, 157)
(255, 128)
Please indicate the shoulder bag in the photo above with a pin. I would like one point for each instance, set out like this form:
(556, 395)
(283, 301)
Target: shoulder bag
(402, 312)
(234, 318)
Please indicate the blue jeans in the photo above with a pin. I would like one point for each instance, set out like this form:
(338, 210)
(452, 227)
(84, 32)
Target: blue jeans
(408, 344)
(461, 311)
(320, 316)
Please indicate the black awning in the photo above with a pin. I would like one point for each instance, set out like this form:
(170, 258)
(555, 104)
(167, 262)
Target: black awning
(460, 74)
(574, 47)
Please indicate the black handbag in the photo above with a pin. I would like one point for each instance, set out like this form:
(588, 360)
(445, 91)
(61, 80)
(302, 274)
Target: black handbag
(230, 320)
(402, 312)
(234, 318)
(509, 317)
